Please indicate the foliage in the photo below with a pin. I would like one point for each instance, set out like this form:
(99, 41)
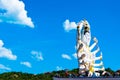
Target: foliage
(110, 70)
(42, 76)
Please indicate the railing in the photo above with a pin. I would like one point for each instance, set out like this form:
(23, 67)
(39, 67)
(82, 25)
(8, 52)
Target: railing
(55, 78)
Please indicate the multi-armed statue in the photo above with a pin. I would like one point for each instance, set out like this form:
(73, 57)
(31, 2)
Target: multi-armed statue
(86, 54)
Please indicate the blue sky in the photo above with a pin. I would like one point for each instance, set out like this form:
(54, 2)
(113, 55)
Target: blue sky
(33, 38)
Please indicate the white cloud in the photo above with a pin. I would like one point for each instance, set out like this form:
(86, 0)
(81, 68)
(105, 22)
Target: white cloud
(15, 13)
(6, 53)
(1, 43)
(66, 56)
(69, 25)
(37, 55)
(4, 67)
(28, 64)
(75, 55)
(58, 68)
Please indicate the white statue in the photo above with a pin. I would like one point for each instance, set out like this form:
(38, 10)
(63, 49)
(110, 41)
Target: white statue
(87, 57)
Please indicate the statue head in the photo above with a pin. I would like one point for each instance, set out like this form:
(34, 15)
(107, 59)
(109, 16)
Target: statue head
(86, 26)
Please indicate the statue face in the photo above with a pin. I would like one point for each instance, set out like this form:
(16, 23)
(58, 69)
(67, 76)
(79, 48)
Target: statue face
(86, 24)
(86, 29)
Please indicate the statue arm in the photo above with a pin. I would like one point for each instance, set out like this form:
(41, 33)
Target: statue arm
(94, 44)
(96, 51)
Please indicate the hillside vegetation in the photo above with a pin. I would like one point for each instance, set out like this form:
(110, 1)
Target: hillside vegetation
(42, 76)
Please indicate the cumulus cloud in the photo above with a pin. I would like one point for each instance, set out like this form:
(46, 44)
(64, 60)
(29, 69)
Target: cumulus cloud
(4, 67)
(74, 55)
(58, 68)
(6, 53)
(13, 11)
(37, 55)
(69, 25)
(28, 64)
(65, 56)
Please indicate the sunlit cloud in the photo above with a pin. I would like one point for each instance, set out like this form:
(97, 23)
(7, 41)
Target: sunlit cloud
(65, 56)
(27, 64)
(69, 25)
(59, 68)
(37, 55)
(6, 53)
(74, 55)
(3, 67)
(13, 11)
